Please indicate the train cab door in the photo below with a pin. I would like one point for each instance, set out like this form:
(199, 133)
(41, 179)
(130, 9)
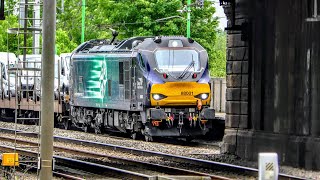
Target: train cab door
(124, 80)
(138, 83)
(133, 93)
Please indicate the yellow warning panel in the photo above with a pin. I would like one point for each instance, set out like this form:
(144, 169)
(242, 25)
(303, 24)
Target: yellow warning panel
(10, 159)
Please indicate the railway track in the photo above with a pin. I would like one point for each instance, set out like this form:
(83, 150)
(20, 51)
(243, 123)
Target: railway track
(82, 165)
(32, 168)
(125, 171)
(200, 163)
(167, 140)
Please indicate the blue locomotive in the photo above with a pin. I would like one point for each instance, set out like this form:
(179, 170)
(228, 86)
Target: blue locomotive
(156, 86)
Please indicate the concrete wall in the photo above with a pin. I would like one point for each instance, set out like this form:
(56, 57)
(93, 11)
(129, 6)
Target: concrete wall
(275, 105)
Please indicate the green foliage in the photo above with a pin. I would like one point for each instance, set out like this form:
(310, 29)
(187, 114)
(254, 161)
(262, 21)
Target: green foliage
(217, 59)
(131, 18)
(139, 18)
(8, 42)
(63, 43)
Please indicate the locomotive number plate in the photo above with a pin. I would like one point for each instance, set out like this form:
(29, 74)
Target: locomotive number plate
(186, 93)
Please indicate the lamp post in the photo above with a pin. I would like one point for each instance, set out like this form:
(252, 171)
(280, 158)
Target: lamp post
(83, 20)
(187, 8)
(188, 18)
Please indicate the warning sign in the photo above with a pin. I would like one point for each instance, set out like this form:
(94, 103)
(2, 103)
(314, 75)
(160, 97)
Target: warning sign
(10, 159)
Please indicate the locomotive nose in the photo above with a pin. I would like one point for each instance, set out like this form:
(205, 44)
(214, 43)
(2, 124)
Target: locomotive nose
(180, 94)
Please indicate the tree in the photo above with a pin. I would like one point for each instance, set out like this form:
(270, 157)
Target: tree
(217, 60)
(132, 18)
(63, 43)
(8, 42)
(135, 18)
(143, 18)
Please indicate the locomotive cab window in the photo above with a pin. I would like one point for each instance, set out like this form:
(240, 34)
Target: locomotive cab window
(141, 62)
(177, 60)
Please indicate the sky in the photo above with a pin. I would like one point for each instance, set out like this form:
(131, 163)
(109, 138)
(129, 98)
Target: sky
(220, 13)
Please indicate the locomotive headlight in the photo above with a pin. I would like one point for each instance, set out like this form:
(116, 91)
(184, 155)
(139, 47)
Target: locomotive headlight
(158, 96)
(174, 43)
(202, 96)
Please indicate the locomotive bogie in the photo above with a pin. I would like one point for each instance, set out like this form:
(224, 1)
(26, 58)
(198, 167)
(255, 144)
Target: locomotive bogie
(99, 119)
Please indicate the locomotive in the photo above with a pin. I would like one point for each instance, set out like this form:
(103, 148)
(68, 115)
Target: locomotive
(154, 86)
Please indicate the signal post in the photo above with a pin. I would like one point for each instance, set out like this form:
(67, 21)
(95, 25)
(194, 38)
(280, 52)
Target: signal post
(47, 84)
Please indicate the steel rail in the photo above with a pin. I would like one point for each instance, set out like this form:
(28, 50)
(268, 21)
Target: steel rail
(188, 160)
(157, 167)
(63, 175)
(55, 173)
(166, 140)
(87, 166)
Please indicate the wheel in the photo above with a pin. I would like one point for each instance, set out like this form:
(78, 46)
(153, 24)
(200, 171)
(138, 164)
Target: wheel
(36, 122)
(85, 128)
(97, 130)
(148, 138)
(3, 112)
(96, 126)
(65, 124)
(133, 135)
(20, 121)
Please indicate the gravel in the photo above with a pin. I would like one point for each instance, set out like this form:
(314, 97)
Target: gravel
(208, 153)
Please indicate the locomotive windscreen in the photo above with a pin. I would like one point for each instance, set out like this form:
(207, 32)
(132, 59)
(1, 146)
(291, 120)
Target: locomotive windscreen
(177, 60)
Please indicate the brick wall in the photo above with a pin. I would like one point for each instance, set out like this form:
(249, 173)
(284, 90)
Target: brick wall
(237, 78)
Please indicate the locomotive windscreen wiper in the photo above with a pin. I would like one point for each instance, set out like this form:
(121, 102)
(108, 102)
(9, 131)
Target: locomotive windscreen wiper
(187, 69)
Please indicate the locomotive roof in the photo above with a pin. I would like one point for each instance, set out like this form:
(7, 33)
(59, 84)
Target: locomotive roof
(127, 45)
(151, 44)
(102, 46)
